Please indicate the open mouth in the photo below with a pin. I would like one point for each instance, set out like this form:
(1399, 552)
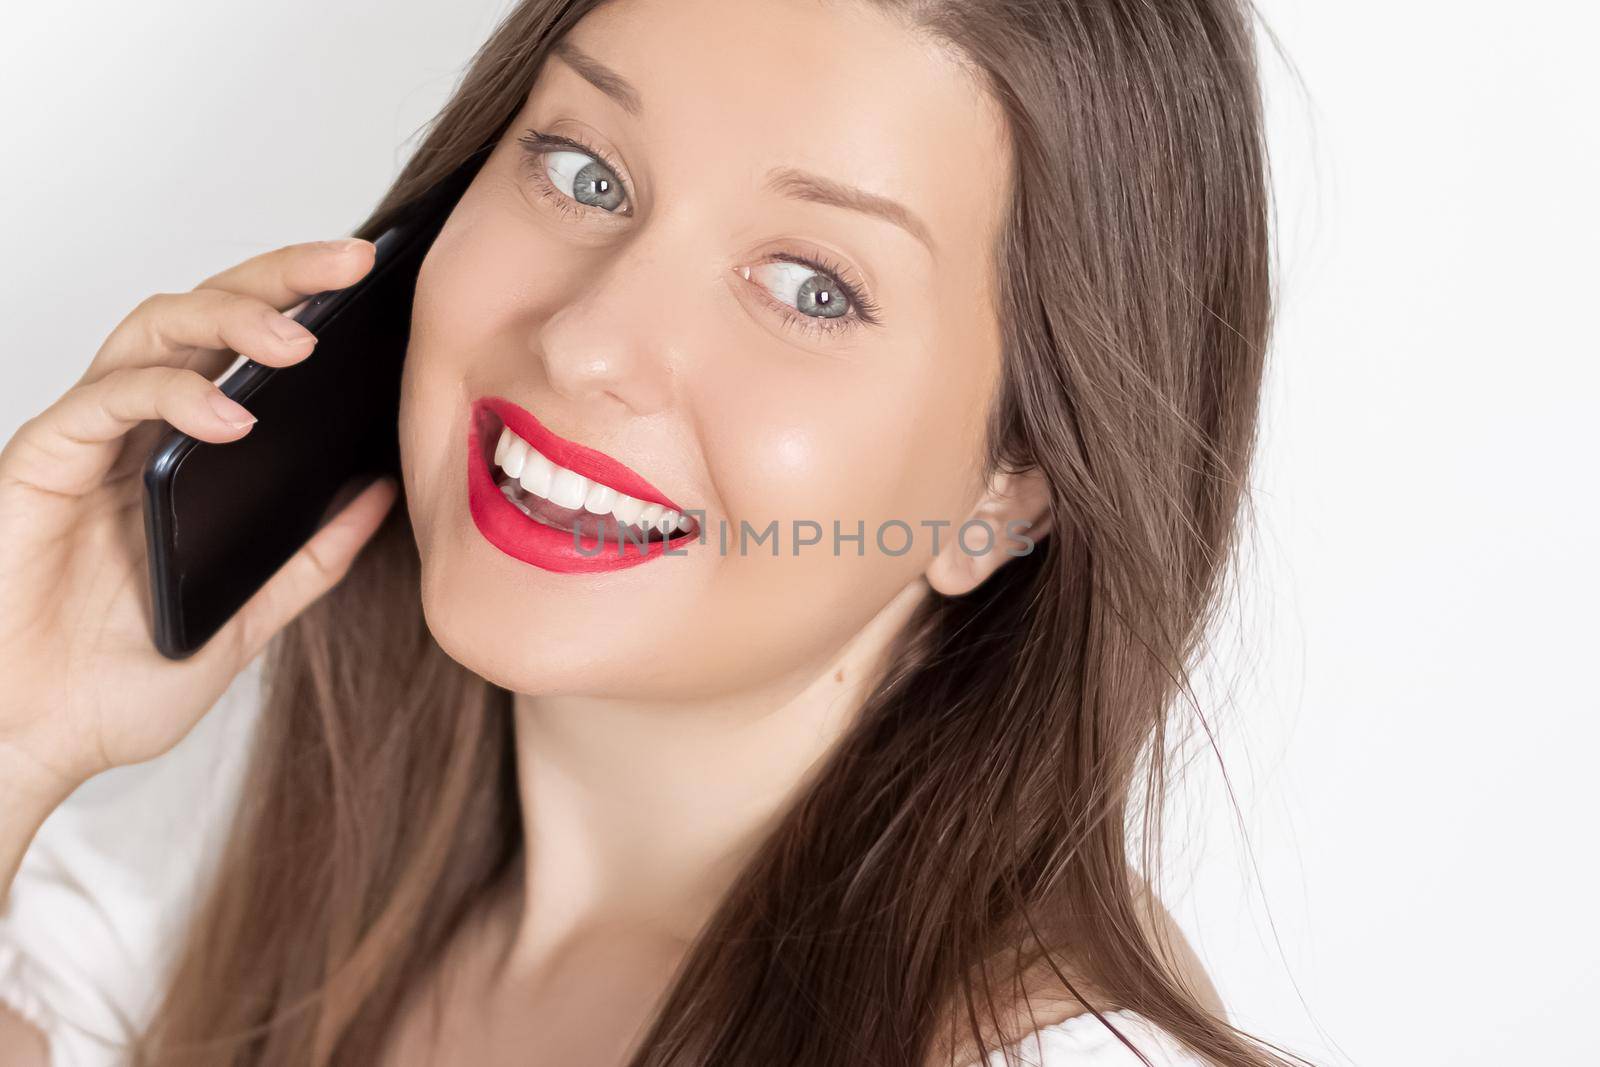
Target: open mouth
(559, 505)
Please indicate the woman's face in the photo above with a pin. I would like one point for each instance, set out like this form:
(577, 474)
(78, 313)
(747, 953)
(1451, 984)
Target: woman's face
(753, 280)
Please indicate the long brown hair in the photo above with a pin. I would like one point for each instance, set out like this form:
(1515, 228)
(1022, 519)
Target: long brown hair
(967, 844)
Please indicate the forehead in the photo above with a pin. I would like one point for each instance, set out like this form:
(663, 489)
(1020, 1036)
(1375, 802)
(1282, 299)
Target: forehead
(837, 88)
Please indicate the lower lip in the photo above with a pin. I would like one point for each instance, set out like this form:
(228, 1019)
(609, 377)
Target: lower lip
(512, 532)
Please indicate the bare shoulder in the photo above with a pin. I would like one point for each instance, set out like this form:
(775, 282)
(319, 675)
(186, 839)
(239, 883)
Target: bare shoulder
(21, 1043)
(1181, 958)
(1049, 1002)
(1047, 993)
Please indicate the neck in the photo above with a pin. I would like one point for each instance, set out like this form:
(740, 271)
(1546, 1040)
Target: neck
(643, 813)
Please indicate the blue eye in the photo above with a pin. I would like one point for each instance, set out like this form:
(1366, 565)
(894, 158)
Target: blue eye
(570, 173)
(584, 179)
(812, 295)
(807, 290)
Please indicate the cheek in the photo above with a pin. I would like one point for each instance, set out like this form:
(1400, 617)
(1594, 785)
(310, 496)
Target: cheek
(858, 443)
(883, 438)
(471, 318)
(429, 387)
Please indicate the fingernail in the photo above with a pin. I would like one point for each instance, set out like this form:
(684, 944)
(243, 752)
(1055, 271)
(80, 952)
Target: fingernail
(229, 411)
(290, 331)
(343, 245)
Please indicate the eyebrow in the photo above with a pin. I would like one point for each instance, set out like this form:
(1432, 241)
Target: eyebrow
(803, 185)
(788, 181)
(600, 76)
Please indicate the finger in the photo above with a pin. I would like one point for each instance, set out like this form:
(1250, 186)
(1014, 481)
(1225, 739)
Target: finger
(69, 447)
(284, 276)
(278, 279)
(317, 567)
(195, 330)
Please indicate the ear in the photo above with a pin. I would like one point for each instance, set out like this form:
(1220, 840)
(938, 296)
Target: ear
(1008, 521)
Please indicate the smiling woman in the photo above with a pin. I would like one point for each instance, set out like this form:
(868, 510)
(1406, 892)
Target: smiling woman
(802, 309)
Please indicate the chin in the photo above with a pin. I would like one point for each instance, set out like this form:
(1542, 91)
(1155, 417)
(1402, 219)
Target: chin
(514, 630)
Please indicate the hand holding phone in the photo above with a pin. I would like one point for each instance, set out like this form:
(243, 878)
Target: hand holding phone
(221, 520)
(84, 688)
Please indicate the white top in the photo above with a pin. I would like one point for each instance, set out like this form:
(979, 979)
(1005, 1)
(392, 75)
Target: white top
(101, 899)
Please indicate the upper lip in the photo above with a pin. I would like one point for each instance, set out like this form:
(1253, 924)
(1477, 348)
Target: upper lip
(580, 459)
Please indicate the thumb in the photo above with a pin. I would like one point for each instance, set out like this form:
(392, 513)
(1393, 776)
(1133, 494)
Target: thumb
(318, 566)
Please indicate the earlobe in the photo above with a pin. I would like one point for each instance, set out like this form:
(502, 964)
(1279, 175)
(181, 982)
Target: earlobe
(1011, 519)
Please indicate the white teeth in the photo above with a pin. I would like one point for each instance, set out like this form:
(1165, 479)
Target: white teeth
(601, 499)
(516, 455)
(537, 473)
(627, 509)
(540, 477)
(685, 524)
(568, 489)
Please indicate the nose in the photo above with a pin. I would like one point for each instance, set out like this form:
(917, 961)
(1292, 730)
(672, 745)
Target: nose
(614, 341)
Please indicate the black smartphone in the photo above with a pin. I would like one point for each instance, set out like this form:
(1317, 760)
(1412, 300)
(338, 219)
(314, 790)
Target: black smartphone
(220, 519)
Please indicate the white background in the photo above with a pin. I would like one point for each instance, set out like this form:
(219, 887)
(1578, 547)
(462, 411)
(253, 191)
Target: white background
(1410, 873)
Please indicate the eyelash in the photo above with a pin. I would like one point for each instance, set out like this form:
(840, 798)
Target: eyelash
(536, 143)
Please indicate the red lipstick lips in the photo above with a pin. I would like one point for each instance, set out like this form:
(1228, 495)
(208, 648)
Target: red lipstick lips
(505, 526)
